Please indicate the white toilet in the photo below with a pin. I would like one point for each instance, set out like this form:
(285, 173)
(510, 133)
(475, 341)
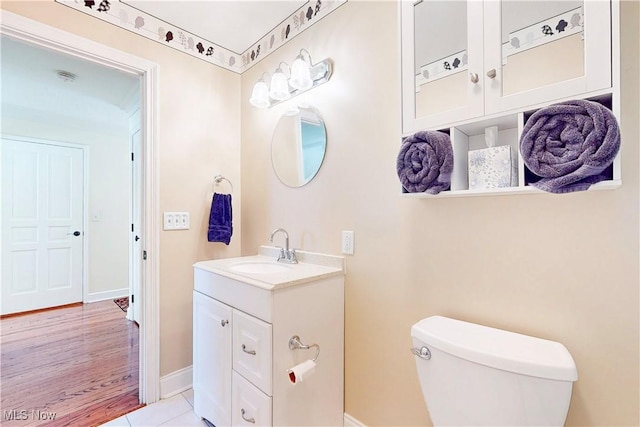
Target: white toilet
(473, 375)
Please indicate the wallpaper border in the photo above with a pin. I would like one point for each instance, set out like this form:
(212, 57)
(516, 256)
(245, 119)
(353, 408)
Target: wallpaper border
(120, 14)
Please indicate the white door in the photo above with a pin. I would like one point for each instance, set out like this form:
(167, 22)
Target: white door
(133, 313)
(42, 225)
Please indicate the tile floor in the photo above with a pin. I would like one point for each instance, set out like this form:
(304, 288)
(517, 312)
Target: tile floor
(175, 411)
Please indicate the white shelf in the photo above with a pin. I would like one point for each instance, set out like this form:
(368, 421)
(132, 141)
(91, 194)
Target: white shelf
(469, 135)
(507, 191)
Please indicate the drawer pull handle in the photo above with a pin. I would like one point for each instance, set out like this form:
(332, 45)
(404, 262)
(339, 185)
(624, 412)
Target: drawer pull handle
(249, 420)
(224, 323)
(251, 352)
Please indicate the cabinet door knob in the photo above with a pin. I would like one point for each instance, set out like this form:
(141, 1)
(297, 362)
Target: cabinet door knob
(474, 77)
(224, 323)
(251, 352)
(491, 73)
(249, 420)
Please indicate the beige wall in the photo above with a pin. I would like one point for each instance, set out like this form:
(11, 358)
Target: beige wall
(199, 137)
(565, 268)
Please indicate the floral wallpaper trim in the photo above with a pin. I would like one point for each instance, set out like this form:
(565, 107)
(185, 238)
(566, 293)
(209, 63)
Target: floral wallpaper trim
(444, 67)
(551, 29)
(122, 15)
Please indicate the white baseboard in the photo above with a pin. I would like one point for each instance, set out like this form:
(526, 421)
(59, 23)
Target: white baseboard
(101, 296)
(176, 382)
(349, 421)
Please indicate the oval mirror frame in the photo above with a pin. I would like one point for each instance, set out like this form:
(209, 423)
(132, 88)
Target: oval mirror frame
(298, 146)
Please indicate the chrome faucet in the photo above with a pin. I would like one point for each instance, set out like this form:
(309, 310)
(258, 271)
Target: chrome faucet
(286, 255)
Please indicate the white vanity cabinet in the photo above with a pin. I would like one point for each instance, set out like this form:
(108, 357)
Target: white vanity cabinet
(466, 59)
(242, 328)
(212, 358)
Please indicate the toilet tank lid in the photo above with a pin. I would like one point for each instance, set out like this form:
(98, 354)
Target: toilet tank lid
(497, 348)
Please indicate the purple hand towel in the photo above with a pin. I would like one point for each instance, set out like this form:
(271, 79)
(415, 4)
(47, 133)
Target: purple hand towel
(570, 145)
(220, 225)
(425, 162)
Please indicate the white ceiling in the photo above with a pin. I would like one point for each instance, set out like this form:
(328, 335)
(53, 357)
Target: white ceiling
(99, 94)
(30, 83)
(233, 24)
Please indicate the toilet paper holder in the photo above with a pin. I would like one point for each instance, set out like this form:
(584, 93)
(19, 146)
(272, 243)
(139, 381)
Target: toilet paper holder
(296, 344)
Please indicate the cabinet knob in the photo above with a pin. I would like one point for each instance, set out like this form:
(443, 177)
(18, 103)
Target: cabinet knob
(224, 323)
(249, 420)
(474, 77)
(491, 73)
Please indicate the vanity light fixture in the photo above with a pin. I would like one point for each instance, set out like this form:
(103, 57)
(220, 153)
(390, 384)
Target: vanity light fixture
(303, 75)
(279, 85)
(301, 72)
(260, 94)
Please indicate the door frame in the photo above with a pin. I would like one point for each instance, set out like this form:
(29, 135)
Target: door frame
(34, 32)
(85, 197)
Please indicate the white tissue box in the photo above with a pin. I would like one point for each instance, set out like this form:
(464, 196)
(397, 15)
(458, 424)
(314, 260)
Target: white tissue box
(494, 167)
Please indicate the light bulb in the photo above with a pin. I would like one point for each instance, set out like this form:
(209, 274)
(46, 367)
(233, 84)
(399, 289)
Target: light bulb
(300, 75)
(260, 95)
(279, 86)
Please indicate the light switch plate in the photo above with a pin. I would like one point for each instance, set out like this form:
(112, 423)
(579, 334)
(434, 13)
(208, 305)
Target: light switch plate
(176, 221)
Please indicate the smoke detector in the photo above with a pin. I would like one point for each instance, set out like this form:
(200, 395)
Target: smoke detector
(66, 76)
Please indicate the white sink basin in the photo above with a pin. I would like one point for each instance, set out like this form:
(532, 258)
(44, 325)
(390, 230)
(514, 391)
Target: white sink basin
(259, 268)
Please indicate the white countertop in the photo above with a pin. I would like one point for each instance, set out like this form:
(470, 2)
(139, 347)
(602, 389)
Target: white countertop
(311, 266)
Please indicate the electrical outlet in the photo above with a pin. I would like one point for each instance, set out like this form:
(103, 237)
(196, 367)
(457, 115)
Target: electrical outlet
(347, 242)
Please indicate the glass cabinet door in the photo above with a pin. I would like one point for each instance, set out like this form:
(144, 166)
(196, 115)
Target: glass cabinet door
(442, 62)
(542, 50)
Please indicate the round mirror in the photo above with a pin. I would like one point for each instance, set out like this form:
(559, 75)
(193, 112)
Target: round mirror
(298, 146)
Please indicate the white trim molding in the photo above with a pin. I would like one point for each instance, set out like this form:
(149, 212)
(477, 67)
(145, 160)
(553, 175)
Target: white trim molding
(105, 295)
(176, 382)
(34, 32)
(349, 421)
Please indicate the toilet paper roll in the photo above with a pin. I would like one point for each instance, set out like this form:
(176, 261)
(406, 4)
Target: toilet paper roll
(302, 371)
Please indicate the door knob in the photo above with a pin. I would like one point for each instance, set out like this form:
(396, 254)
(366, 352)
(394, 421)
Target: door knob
(136, 238)
(491, 73)
(75, 233)
(474, 77)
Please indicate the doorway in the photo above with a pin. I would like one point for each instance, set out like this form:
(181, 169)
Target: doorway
(32, 32)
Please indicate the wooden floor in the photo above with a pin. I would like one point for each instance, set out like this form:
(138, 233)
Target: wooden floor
(79, 364)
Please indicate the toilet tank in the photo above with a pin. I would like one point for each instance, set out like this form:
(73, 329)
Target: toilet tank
(474, 375)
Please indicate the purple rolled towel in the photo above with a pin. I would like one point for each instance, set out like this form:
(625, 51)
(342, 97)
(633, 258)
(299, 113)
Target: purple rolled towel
(570, 145)
(220, 219)
(425, 162)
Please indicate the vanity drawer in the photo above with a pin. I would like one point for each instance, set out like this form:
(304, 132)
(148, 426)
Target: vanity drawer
(252, 350)
(249, 406)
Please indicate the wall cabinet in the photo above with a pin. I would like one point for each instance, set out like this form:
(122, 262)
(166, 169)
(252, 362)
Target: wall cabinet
(471, 65)
(466, 59)
(241, 351)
